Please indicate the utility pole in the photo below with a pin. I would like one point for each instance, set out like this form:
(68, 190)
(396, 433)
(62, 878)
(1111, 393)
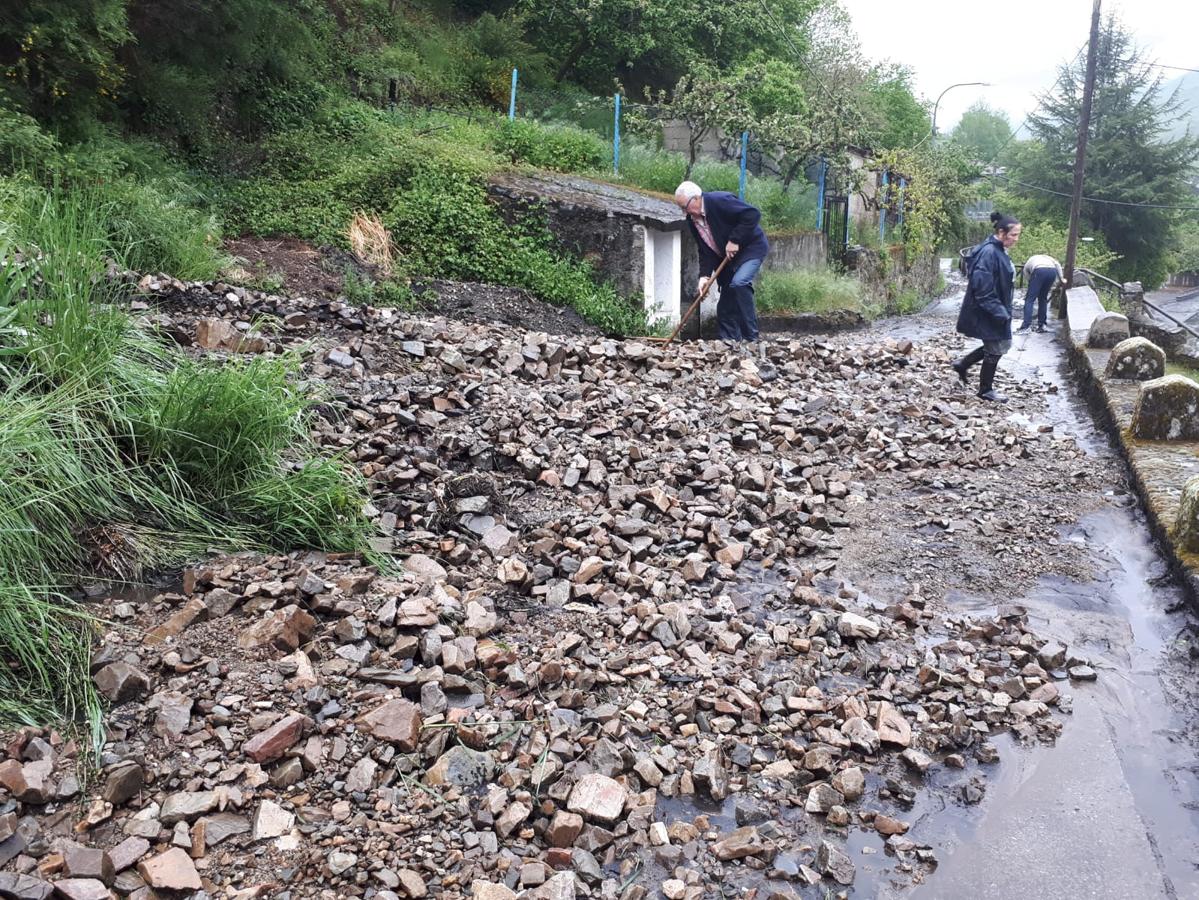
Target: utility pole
(1080, 155)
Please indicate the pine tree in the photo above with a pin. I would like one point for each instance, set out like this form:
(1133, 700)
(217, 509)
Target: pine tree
(1129, 158)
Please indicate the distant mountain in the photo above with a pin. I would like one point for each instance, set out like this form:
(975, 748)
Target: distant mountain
(1188, 113)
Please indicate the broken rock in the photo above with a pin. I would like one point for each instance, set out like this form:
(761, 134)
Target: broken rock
(171, 871)
(597, 797)
(397, 721)
(274, 741)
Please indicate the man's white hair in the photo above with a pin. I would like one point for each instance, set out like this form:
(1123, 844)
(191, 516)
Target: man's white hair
(686, 192)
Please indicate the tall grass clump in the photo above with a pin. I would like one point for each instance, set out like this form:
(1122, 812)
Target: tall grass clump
(808, 291)
(651, 169)
(64, 326)
(234, 440)
(45, 650)
(118, 453)
(155, 210)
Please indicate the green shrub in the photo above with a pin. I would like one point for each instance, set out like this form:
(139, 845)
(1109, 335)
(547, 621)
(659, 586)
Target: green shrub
(808, 291)
(562, 148)
(362, 290)
(1048, 237)
(783, 209)
(907, 302)
(445, 227)
(716, 176)
(23, 142)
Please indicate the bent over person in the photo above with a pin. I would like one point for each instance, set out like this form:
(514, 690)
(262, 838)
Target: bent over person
(1041, 273)
(725, 226)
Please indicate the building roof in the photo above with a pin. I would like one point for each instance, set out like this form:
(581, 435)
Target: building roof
(615, 200)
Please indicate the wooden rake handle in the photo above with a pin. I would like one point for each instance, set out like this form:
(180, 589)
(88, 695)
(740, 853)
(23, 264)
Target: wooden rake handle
(703, 292)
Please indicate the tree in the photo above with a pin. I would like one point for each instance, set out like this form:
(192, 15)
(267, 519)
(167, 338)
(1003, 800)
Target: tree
(58, 57)
(653, 44)
(1128, 158)
(983, 132)
(200, 63)
(705, 102)
(894, 118)
(1186, 251)
(934, 195)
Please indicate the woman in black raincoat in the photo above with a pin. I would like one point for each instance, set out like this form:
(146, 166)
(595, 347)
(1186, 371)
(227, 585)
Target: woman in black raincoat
(986, 311)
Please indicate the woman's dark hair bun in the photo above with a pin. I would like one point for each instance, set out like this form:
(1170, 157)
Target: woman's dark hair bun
(1003, 222)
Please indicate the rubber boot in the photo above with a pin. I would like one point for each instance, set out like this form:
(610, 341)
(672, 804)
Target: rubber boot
(986, 378)
(962, 366)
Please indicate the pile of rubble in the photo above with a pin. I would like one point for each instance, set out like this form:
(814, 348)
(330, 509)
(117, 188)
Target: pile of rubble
(613, 656)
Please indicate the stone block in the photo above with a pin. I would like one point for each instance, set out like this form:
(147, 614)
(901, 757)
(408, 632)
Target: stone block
(1186, 528)
(1107, 330)
(1136, 359)
(1167, 410)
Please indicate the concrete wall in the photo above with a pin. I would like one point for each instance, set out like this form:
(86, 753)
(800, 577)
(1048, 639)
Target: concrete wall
(806, 250)
(676, 137)
(615, 246)
(885, 281)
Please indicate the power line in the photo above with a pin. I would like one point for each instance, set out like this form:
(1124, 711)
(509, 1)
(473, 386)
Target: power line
(1037, 187)
(1178, 68)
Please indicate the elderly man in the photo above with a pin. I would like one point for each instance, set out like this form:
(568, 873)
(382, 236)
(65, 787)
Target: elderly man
(725, 226)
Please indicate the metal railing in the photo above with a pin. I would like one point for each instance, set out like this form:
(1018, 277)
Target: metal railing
(1090, 273)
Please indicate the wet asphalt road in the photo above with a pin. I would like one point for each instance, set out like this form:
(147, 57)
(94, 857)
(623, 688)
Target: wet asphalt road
(1112, 811)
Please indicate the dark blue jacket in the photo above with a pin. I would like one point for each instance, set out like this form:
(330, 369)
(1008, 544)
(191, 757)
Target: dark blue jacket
(986, 311)
(731, 219)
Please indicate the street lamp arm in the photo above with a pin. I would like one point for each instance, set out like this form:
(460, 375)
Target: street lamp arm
(937, 104)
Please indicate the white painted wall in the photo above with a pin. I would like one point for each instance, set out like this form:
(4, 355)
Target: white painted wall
(663, 274)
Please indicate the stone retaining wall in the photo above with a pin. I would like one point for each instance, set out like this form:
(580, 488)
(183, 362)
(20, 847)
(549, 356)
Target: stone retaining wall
(1159, 468)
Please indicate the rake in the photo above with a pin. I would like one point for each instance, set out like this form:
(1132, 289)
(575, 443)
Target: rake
(703, 292)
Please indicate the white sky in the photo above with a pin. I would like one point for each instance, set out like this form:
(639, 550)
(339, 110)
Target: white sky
(1016, 45)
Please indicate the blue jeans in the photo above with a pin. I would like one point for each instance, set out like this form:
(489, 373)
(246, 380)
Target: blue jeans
(736, 319)
(1039, 283)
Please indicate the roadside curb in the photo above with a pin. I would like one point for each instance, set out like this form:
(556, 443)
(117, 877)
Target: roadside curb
(1159, 469)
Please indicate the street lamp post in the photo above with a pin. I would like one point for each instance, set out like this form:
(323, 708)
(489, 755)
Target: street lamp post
(932, 132)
